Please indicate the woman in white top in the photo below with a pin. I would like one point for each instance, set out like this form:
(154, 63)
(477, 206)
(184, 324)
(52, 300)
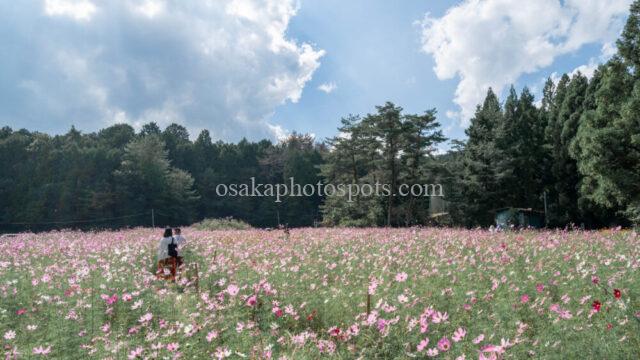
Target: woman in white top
(165, 260)
(181, 241)
(163, 247)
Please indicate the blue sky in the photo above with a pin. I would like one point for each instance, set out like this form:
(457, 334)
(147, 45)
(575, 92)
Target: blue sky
(372, 55)
(256, 68)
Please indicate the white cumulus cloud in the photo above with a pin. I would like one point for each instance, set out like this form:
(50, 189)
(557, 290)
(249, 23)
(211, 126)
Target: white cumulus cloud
(225, 65)
(328, 87)
(81, 10)
(491, 43)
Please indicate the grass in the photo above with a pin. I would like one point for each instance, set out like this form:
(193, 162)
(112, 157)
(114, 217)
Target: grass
(222, 224)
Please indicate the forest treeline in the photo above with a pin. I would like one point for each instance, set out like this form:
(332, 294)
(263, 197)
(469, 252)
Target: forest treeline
(578, 148)
(117, 172)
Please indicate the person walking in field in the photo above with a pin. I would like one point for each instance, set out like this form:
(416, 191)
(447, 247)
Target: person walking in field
(167, 255)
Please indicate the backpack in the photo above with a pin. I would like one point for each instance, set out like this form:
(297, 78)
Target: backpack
(173, 249)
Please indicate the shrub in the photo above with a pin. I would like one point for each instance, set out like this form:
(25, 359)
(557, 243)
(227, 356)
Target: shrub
(227, 223)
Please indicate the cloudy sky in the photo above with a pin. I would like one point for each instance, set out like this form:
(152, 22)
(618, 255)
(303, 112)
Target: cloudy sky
(263, 68)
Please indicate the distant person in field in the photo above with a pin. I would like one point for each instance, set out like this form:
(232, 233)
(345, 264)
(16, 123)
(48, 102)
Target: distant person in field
(181, 241)
(167, 253)
(163, 247)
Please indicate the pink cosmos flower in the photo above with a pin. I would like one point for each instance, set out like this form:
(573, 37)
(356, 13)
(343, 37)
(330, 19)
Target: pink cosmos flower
(372, 318)
(252, 301)
(565, 314)
(222, 352)
(440, 317)
(478, 339)
(381, 324)
(423, 344)
(212, 335)
(354, 330)
(388, 308)
(137, 352)
(112, 299)
(459, 334)
(373, 285)
(524, 298)
(326, 346)
(334, 331)
(10, 335)
(444, 344)
(299, 339)
(433, 352)
(494, 285)
(232, 289)
(41, 350)
(539, 287)
(492, 349)
(278, 312)
(424, 324)
(505, 344)
(173, 347)
(146, 318)
(401, 277)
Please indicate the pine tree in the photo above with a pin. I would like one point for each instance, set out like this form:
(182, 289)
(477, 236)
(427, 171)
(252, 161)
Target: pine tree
(629, 42)
(420, 135)
(479, 186)
(148, 181)
(606, 146)
(388, 128)
(507, 152)
(530, 153)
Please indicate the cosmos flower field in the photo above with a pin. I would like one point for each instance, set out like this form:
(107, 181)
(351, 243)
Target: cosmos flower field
(341, 293)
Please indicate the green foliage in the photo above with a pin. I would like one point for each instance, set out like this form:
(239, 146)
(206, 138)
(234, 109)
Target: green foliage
(581, 148)
(607, 144)
(501, 162)
(50, 181)
(222, 224)
(386, 148)
(146, 180)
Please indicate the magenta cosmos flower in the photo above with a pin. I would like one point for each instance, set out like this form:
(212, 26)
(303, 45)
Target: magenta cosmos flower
(444, 344)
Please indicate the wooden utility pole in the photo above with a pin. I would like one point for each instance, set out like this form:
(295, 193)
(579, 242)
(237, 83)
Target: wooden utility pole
(546, 219)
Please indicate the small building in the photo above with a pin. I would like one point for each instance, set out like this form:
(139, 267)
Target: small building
(440, 219)
(519, 217)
